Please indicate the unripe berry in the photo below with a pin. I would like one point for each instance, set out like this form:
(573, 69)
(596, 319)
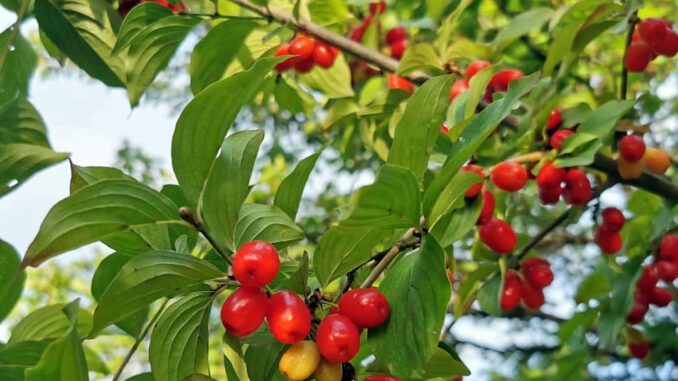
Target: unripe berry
(328, 371)
(555, 119)
(638, 56)
(487, 208)
(395, 82)
(639, 350)
(288, 317)
(302, 47)
(577, 188)
(500, 81)
(558, 138)
(512, 291)
(474, 189)
(668, 248)
(609, 242)
(338, 338)
(396, 34)
(457, 88)
(648, 279)
(323, 55)
(657, 161)
(533, 297)
(637, 313)
(256, 264)
(366, 307)
(631, 148)
(475, 67)
(300, 361)
(538, 275)
(398, 49)
(668, 271)
(509, 176)
(244, 311)
(613, 220)
(660, 297)
(628, 170)
(550, 177)
(382, 377)
(499, 236)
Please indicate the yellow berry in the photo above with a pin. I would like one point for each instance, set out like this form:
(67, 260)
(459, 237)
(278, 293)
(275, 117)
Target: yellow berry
(628, 170)
(299, 361)
(657, 161)
(328, 371)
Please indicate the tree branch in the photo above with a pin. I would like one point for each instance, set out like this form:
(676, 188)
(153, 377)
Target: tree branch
(633, 20)
(663, 187)
(388, 258)
(188, 216)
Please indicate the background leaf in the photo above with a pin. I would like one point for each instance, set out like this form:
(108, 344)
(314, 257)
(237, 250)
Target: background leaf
(289, 193)
(266, 223)
(11, 279)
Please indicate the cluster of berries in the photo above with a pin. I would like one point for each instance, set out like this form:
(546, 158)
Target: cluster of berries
(308, 52)
(498, 83)
(570, 183)
(607, 235)
(124, 6)
(556, 133)
(635, 157)
(652, 37)
(528, 285)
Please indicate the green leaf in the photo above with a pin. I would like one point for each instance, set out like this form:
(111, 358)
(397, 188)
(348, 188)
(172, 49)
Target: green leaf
(451, 195)
(234, 359)
(137, 20)
(454, 225)
(519, 26)
(142, 377)
(18, 68)
(20, 122)
(83, 31)
(334, 82)
(212, 55)
(298, 280)
(420, 57)
(443, 365)
(83, 176)
(228, 184)
(18, 162)
(419, 126)
(147, 278)
(288, 195)
(203, 124)
(96, 212)
(150, 51)
(23, 353)
(342, 249)
(64, 359)
(179, 340)
(103, 276)
(474, 134)
(418, 292)
(266, 223)
(489, 295)
(47, 323)
(469, 285)
(11, 279)
(262, 361)
(329, 13)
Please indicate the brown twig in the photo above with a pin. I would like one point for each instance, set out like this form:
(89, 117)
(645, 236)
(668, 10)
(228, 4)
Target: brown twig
(388, 258)
(633, 20)
(188, 216)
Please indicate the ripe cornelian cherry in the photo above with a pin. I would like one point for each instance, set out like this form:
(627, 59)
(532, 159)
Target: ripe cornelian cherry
(652, 30)
(475, 67)
(660, 297)
(338, 338)
(305, 65)
(499, 236)
(458, 87)
(500, 81)
(302, 47)
(256, 264)
(323, 55)
(377, 7)
(509, 176)
(637, 312)
(487, 209)
(613, 219)
(550, 177)
(537, 274)
(288, 317)
(668, 247)
(366, 307)
(555, 119)
(631, 148)
(400, 83)
(358, 33)
(668, 47)
(382, 377)
(398, 49)
(244, 311)
(288, 63)
(533, 297)
(648, 279)
(550, 196)
(577, 188)
(668, 271)
(638, 56)
(474, 189)
(558, 138)
(609, 242)
(396, 34)
(639, 350)
(512, 291)
(180, 7)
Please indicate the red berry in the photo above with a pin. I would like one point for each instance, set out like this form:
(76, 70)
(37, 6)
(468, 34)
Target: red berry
(358, 33)
(660, 297)
(382, 377)
(396, 34)
(378, 7)
(534, 261)
(533, 297)
(398, 49)
(499, 236)
(577, 188)
(244, 311)
(512, 291)
(509, 176)
(550, 196)
(180, 7)
(538, 275)
(638, 350)
(609, 242)
(555, 119)
(631, 148)
(475, 67)
(613, 220)
(550, 177)
(457, 88)
(487, 209)
(302, 46)
(288, 63)
(444, 129)
(400, 83)
(366, 307)
(638, 56)
(558, 138)
(668, 46)
(323, 55)
(652, 31)
(668, 248)
(288, 317)
(500, 81)
(648, 279)
(474, 189)
(304, 66)
(256, 264)
(637, 313)
(338, 339)
(668, 271)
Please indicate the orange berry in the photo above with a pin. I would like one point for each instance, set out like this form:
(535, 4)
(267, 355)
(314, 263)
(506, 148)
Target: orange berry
(657, 161)
(628, 170)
